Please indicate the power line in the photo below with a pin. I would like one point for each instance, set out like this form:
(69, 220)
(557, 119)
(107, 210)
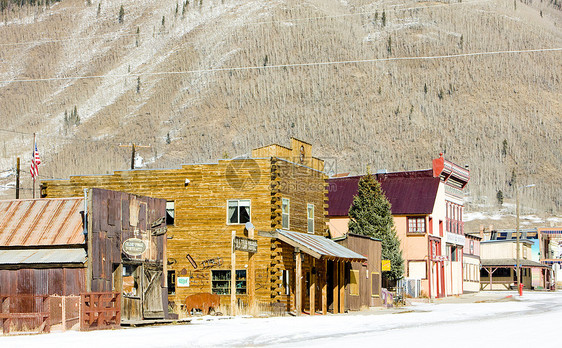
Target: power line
(374, 60)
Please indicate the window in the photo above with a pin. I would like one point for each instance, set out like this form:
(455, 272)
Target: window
(131, 276)
(310, 217)
(239, 211)
(171, 282)
(430, 223)
(285, 280)
(170, 212)
(416, 225)
(472, 247)
(454, 256)
(220, 282)
(354, 282)
(375, 284)
(285, 208)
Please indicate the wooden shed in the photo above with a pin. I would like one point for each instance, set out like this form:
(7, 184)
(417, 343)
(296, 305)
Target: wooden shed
(102, 241)
(363, 277)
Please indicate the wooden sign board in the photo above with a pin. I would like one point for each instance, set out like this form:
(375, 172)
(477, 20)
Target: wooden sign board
(246, 244)
(385, 265)
(134, 247)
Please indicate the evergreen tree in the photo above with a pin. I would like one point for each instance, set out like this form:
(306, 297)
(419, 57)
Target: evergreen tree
(499, 197)
(121, 14)
(370, 215)
(389, 45)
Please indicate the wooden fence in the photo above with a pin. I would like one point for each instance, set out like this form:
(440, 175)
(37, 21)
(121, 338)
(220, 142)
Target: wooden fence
(100, 310)
(25, 313)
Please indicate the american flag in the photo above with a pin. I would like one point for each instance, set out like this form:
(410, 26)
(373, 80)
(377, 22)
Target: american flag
(35, 162)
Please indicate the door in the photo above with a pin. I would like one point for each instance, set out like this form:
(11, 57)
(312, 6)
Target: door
(152, 307)
(442, 279)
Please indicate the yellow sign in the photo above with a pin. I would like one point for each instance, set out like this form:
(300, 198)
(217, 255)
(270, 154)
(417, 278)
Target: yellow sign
(385, 265)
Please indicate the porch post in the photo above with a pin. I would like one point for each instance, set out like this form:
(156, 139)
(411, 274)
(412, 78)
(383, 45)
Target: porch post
(298, 292)
(313, 287)
(325, 288)
(233, 276)
(335, 305)
(251, 277)
(342, 287)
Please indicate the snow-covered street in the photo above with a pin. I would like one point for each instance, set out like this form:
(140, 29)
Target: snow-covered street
(479, 320)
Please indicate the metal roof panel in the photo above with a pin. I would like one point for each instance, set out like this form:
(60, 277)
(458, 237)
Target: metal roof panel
(41, 256)
(321, 245)
(55, 221)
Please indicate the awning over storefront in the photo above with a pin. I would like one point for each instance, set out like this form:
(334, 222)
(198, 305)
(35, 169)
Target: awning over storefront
(510, 263)
(13, 257)
(314, 245)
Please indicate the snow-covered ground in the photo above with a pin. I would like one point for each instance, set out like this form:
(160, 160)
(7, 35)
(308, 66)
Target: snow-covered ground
(479, 322)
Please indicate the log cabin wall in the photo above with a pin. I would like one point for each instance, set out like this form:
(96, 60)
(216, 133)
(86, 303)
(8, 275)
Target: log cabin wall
(200, 195)
(301, 186)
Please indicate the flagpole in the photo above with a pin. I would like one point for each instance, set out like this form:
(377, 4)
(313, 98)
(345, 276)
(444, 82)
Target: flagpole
(33, 160)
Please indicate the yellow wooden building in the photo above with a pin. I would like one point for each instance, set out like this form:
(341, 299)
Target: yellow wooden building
(276, 196)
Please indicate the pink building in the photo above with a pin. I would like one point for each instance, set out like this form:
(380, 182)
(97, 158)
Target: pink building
(427, 207)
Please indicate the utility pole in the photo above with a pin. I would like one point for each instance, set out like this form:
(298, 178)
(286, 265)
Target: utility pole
(134, 151)
(33, 160)
(518, 212)
(517, 267)
(18, 178)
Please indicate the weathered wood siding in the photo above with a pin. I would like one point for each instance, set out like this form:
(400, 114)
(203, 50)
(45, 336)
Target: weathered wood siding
(369, 273)
(111, 225)
(44, 281)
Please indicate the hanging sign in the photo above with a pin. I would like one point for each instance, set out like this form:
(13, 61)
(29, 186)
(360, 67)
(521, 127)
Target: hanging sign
(246, 244)
(134, 247)
(385, 265)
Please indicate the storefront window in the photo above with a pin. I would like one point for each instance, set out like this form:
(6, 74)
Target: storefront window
(220, 282)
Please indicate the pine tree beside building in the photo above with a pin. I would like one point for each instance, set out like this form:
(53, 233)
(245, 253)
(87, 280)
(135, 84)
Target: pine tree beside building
(370, 215)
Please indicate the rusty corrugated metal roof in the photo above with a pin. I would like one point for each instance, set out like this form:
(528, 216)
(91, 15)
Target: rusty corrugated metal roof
(54, 221)
(42, 256)
(316, 246)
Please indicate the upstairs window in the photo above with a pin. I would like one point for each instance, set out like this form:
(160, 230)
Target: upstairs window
(310, 217)
(170, 212)
(285, 209)
(238, 211)
(416, 225)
